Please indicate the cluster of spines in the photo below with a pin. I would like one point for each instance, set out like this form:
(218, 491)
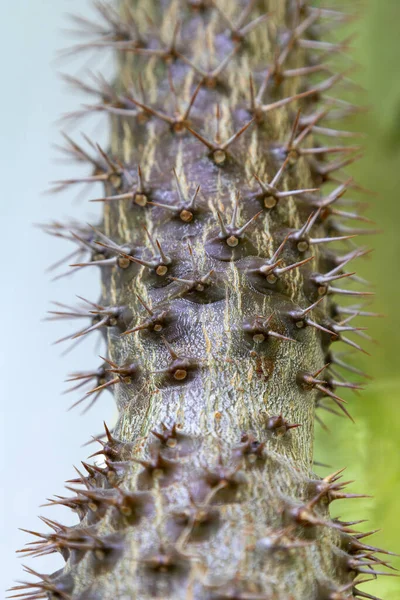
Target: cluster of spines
(267, 274)
(231, 240)
(101, 491)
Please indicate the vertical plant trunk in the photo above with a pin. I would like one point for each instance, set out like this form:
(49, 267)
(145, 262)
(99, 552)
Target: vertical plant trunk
(219, 305)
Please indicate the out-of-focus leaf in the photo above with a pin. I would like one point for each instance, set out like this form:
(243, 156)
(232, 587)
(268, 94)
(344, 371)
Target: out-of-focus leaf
(371, 448)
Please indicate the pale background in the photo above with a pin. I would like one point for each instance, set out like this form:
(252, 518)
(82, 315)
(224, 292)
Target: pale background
(40, 440)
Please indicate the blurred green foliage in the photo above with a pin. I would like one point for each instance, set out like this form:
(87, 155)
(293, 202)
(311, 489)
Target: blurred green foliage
(371, 448)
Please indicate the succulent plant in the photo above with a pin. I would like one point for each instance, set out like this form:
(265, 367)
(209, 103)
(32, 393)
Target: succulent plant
(226, 254)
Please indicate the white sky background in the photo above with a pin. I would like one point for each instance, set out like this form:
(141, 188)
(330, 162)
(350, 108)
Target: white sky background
(40, 440)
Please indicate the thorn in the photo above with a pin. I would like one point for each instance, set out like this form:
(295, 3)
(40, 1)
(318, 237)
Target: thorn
(211, 77)
(179, 366)
(217, 149)
(271, 195)
(259, 329)
(231, 233)
(310, 381)
(124, 374)
(185, 207)
(279, 426)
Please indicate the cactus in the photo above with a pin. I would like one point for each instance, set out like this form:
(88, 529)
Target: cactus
(224, 251)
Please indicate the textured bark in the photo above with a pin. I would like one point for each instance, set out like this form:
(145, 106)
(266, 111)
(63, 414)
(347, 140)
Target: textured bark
(221, 501)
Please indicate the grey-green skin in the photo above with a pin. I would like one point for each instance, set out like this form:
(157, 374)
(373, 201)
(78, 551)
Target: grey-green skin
(213, 514)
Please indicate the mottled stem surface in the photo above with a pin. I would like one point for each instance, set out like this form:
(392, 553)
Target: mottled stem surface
(214, 227)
